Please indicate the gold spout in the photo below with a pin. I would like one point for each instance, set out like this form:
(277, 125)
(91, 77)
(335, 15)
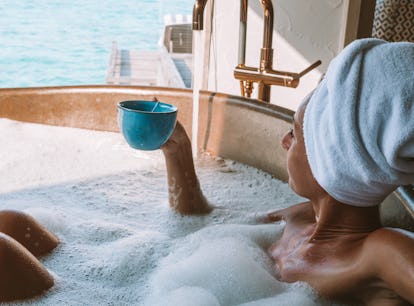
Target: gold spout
(198, 14)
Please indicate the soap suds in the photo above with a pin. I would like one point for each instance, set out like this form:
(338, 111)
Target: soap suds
(121, 244)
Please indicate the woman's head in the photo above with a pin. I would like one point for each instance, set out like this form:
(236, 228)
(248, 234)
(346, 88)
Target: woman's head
(301, 179)
(358, 126)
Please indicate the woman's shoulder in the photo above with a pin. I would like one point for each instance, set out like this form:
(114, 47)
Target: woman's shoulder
(390, 253)
(388, 246)
(390, 236)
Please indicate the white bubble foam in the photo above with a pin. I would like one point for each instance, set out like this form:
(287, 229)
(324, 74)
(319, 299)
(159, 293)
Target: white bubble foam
(186, 296)
(120, 242)
(229, 268)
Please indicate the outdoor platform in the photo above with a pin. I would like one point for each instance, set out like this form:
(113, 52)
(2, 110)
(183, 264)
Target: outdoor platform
(149, 68)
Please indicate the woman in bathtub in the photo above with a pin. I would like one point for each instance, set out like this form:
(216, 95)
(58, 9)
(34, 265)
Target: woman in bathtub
(351, 144)
(22, 239)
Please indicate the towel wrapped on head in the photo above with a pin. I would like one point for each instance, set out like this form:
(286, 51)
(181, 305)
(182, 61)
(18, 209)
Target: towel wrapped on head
(359, 123)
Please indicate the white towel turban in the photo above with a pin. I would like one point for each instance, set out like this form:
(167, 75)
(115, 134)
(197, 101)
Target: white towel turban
(359, 123)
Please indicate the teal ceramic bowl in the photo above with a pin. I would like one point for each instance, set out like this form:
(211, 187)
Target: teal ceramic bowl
(146, 125)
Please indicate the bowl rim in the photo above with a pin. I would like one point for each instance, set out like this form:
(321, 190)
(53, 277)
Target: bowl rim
(122, 107)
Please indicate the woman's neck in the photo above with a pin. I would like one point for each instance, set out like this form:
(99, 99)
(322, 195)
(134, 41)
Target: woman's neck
(335, 219)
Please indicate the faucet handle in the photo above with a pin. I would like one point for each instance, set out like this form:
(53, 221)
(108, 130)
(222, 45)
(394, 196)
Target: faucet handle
(311, 67)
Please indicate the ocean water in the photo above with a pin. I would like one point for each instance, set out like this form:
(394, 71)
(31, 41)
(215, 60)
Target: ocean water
(68, 42)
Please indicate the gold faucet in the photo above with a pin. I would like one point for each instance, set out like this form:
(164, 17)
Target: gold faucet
(265, 76)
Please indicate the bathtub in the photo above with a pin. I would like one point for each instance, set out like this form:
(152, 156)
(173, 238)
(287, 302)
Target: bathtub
(233, 127)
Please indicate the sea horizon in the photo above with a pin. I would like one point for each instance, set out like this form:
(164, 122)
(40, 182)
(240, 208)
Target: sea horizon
(49, 43)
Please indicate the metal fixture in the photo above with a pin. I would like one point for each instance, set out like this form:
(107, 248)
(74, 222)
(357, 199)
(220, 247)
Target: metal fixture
(265, 76)
(198, 14)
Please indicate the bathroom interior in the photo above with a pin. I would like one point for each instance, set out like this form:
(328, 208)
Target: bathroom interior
(254, 61)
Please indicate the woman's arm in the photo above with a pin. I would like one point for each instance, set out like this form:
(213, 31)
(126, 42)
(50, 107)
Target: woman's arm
(294, 213)
(185, 194)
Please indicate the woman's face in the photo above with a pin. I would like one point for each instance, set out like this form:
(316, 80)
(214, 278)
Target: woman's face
(301, 179)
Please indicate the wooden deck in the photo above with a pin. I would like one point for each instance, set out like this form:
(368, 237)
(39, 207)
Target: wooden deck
(149, 68)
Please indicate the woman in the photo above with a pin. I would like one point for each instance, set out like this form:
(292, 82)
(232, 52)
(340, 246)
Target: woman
(21, 239)
(352, 144)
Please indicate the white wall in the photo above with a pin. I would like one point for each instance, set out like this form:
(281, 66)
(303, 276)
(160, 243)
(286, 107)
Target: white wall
(304, 31)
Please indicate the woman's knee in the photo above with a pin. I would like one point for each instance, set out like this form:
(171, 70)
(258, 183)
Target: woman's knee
(27, 231)
(22, 275)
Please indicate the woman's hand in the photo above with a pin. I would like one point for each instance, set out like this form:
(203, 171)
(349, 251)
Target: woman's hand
(178, 140)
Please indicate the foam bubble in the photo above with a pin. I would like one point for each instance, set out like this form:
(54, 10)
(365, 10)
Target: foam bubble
(185, 296)
(226, 261)
(120, 242)
(48, 218)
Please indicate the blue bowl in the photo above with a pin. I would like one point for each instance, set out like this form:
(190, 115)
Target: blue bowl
(146, 125)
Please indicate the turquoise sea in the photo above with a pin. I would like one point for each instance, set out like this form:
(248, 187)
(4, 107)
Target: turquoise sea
(68, 42)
